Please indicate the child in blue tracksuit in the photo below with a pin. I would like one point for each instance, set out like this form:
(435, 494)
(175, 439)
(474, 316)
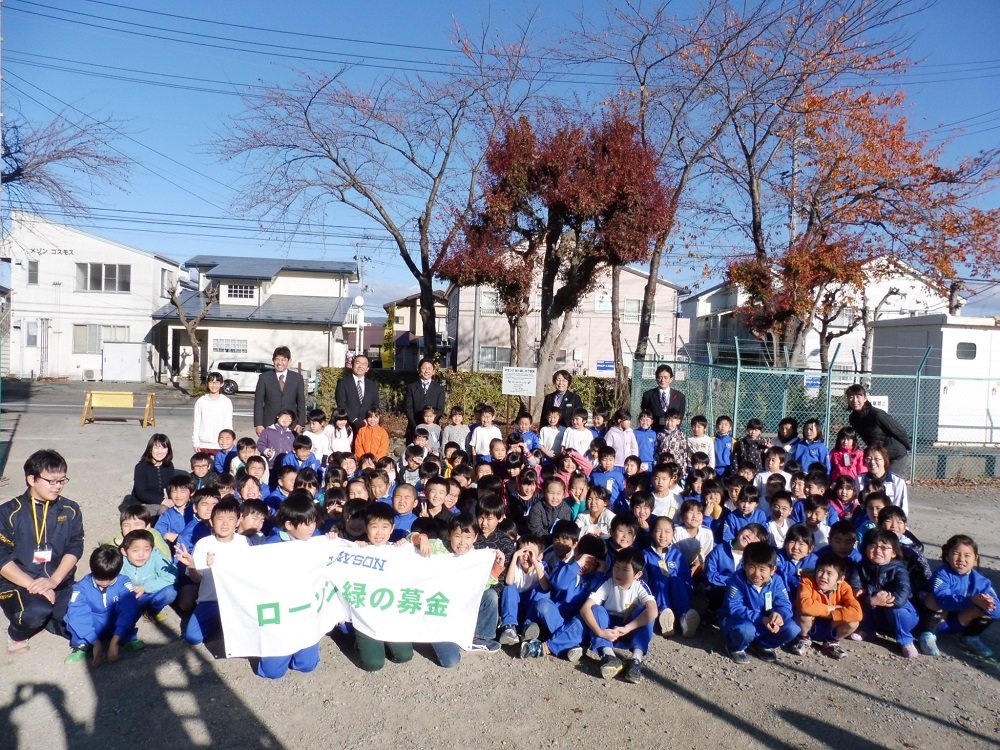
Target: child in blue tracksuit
(811, 449)
(527, 579)
(724, 560)
(645, 438)
(757, 611)
(570, 584)
(612, 478)
(885, 586)
(965, 596)
(152, 575)
(301, 456)
(747, 512)
(296, 522)
(227, 451)
(102, 606)
(668, 576)
(795, 556)
(723, 446)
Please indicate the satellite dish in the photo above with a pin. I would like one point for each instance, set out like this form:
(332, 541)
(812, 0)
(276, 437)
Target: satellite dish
(359, 301)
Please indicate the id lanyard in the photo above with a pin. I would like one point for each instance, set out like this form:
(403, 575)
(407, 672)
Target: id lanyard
(43, 532)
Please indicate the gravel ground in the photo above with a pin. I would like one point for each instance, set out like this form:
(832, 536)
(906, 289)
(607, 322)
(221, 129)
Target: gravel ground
(173, 696)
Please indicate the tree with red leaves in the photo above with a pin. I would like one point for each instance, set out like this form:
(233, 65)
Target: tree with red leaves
(566, 200)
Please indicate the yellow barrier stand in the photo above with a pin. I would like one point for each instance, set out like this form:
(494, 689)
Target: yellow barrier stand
(116, 400)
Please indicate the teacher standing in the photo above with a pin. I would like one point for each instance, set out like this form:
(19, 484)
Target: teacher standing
(277, 390)
(562, 398)
(357, 393)
(420, 395)
(876, 427)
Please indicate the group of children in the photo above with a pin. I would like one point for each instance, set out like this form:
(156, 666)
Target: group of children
(600, 539)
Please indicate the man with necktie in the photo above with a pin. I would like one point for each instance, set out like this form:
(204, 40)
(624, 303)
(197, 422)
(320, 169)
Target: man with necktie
(421, 394)
(356, 393)
(664, 397)
(279, 389)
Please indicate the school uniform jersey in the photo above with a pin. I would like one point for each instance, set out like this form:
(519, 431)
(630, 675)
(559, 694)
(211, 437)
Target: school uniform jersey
(206, 591)
(953, 591)
(746, 602)
(117, 603)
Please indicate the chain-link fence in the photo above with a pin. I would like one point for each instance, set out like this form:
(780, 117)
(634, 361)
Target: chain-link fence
(954, 423)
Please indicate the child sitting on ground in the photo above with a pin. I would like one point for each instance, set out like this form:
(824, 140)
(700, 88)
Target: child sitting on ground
(757, 612)
(796, 556)
(778, 526)
(527, 578)
(965, 595)
(254, 520)
(885, 585)
(668, 576)
(152, 575)
(827, 610)
(103, 606)
(691, 537)
(726, 558)
(205, 622)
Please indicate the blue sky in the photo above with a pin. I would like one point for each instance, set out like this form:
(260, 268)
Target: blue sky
(85, 62)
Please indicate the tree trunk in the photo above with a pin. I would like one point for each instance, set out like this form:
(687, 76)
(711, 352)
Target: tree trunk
(192, 333)
(427, 317)
(621, 372)
(648, 299)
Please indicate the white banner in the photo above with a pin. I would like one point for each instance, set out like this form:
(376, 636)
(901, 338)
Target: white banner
(275, 599)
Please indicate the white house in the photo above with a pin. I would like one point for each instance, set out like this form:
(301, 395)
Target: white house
(265, 303)
(72, 293)
(901, 293)
(480, 334)
(408, 330)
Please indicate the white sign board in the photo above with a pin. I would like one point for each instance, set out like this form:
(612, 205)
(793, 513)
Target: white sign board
(879, 402)
(519, 381)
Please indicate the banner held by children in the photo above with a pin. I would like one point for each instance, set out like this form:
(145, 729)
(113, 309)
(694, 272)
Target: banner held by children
(275, 599)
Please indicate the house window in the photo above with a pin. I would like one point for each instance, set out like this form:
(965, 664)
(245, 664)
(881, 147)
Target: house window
(633, 311)
(229, 346)
(492, 358)
(965, 350)
(239, 291)
(166, 281)
(33, 272)
(103, 277)
(400, 320)
(31, 333)
(561, 356)
(489, 304)
(88, 339)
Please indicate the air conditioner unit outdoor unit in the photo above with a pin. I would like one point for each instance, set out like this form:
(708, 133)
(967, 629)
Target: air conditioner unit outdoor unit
(89, 375)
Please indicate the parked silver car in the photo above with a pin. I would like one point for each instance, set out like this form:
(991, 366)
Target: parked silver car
(241, 375)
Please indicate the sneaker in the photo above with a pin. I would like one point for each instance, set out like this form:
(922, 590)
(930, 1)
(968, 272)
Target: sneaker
(134, 645)
(855, 637)
(531, 631)
(485, 644)
(974, 645)
(666, 619)
(634, 673)
(740, 657)
(532, 649)
(928, 644)
(800, 646)
(910, 651)
(833, 650)
(508, 636)
(690, 622)
(75, 656)
(766, 654)
(574, 655)
(17, 647)
(610, 667)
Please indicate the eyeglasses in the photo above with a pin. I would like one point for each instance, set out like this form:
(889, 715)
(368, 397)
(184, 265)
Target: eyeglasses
(54, 482)
(884, 548)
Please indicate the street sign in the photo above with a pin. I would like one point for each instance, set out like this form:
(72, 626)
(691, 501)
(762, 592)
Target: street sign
(879, 402)
(519, 381)
(812, 381)
(605, 365)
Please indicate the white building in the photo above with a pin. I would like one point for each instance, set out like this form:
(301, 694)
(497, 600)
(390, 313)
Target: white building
(900, 293)
(73, 292)
(480, 334)
(265, 303)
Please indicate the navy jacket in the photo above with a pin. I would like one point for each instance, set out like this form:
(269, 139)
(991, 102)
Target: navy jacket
(63, 533)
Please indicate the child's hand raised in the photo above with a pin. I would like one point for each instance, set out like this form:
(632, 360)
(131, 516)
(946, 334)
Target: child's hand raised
(332, 534)
(183, 555)
(500, 557)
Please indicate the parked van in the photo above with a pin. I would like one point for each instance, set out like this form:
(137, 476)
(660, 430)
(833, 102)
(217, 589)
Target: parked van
(241, 375)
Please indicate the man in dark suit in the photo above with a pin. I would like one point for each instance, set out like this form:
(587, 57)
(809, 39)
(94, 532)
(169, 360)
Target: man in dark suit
(356, 393)
(562, 398)
(421, 394)
(658, 400)
(279, 389)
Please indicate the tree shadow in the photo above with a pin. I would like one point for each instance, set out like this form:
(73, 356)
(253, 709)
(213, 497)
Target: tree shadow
(164, 696)
(827, 734)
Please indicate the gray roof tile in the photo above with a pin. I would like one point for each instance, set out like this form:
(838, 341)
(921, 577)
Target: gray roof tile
(218, 267)
(278, 309)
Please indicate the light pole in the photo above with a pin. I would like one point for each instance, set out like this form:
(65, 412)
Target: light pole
(359, 347)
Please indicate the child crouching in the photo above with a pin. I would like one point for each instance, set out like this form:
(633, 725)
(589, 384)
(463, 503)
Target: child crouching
(828, 611)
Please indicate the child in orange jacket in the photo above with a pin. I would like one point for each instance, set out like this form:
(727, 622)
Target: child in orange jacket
(372, 438)
(827, 609)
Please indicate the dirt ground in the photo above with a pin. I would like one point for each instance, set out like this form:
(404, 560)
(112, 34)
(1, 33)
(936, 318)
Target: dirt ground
(173, 696)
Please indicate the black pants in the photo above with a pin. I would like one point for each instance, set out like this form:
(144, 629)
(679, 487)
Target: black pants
(31, 613)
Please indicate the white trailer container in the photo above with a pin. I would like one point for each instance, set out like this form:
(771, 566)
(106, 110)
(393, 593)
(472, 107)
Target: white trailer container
(960, 387)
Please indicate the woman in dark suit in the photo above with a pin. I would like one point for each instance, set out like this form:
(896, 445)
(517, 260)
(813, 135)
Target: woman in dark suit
(562, 398)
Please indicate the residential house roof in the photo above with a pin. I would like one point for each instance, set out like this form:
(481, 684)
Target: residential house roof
(264, 269)
(285, 309)
(439, 296)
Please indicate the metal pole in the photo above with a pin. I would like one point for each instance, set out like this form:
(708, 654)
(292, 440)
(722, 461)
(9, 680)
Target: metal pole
(829, 395)
(916, 414)
(736, 398)
(475, 329)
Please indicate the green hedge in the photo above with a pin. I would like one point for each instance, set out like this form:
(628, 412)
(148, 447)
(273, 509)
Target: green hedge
(462, 388)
